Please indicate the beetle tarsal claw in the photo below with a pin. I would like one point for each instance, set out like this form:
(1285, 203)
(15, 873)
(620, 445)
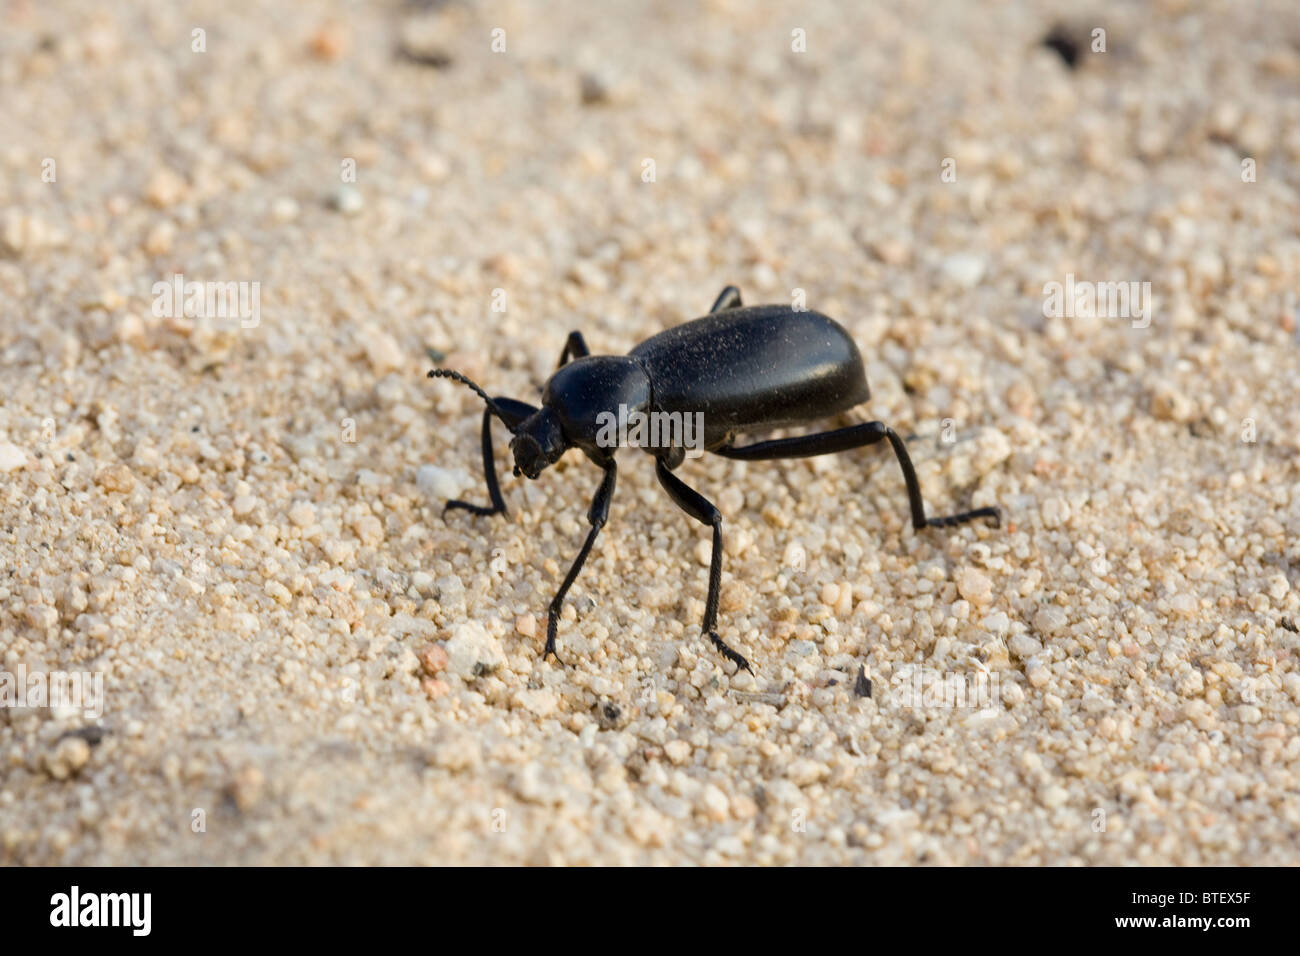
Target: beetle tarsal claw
(729, 654)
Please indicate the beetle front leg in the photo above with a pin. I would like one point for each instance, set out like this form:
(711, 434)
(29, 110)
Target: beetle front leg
(705, 512)
(597, 515)
(517, 411)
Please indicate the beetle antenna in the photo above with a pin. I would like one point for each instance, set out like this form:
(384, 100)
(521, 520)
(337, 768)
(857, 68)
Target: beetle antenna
(456, 376)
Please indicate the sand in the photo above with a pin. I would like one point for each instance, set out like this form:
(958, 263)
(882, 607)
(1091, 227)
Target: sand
(303, 662)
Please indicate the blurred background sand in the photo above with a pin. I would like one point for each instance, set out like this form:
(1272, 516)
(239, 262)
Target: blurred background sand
(304, 663)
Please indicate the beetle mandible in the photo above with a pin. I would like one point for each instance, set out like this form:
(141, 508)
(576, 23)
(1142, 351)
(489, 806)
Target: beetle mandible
(762, 367)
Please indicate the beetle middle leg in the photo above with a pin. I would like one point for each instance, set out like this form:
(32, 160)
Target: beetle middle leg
(516, 411)
(728, 298)
(597, 516)
(575, 346)
(704, 511)
(856, 436)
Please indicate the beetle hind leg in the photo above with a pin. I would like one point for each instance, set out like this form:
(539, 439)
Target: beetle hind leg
(948, 521)
(856, 436)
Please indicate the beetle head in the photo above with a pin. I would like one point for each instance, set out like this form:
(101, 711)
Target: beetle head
(539, 442)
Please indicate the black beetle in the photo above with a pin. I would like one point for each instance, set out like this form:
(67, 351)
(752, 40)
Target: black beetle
(766, 366)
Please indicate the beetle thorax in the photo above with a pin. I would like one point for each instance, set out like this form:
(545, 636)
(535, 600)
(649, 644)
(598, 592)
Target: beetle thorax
(585, 392)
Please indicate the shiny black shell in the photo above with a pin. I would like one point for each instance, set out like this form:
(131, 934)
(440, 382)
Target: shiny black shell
(766, 366)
